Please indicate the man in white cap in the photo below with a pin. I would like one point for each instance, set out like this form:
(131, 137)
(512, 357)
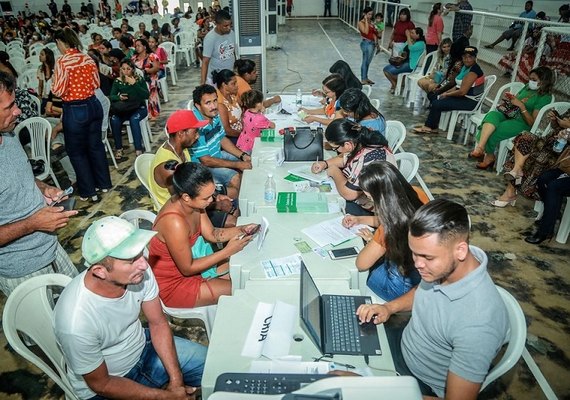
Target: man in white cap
(108, 352)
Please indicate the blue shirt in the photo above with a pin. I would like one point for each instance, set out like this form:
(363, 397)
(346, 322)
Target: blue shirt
(530, 15)
(209, 139)
(375, 124)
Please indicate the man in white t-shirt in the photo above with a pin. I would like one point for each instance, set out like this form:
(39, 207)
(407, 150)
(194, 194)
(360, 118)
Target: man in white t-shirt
(219, 48)
(108, 352)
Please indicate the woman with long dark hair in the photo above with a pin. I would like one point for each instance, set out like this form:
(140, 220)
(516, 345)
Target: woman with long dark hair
(415, 47)
(357, 147)
(45, 73)
(129, 87)
(6, 66)
(184, 278)
(387, 255)
(434, 29)
(246, 75)
(228, 105)
(333, 87)
(148, 62)
(75, 80)
(343, 69)
(369, 36)
(354, 104)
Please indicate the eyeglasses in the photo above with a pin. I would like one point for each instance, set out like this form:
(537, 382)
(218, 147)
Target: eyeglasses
(335, 148)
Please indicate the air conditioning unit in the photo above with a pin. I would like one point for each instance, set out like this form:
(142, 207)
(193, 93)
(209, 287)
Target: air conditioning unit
(249, 27)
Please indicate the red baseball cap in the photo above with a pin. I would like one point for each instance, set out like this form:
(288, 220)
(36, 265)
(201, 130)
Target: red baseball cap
(183, 119)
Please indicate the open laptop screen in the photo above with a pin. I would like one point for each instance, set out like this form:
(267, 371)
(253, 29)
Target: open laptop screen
(310, 306)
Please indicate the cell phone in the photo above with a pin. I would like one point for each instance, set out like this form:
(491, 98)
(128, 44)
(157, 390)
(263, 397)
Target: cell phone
(509, 95)
(347, 252)
(252, 233)
(67, 204)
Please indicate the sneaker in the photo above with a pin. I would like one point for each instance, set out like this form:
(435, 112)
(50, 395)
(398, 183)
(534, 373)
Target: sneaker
(92, 199)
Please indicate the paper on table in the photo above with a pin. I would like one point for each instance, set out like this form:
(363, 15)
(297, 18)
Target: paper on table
(270, 331)
(262, 232)
(304, 171)
(284, 266)
(331, 232)
(289, 367)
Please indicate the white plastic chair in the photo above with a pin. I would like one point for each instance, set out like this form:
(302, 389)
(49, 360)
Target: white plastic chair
(411, 86)
(28, 79)
(53, 47)
(40, 137)
(453, 116)
(29, 310)
(395, 134)
(375, 103)
(106, 104)
(135, 217)
(170, 49)
(367, 89)
(185, 45)
(163, 85)
(142, 169)
(401, 77)
(408, 164)
(477, 118)
(507, 144)
(564, 228)
(2, 46)
(516, 339)
(34, 49)
(18, 52)
(207, 314)
(19, 63)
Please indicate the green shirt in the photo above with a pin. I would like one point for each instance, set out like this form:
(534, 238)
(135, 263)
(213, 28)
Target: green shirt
(138, 90)
(534, 100)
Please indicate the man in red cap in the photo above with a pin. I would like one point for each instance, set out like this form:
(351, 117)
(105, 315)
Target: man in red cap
(182, 128)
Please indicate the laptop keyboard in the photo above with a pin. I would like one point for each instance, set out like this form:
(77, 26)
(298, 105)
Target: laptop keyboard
(345, 330)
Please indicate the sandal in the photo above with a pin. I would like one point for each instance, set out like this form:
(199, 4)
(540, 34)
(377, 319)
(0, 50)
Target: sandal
(138, 153)
(477, 153)
(424, 130)
(513, 179)
(119, 154)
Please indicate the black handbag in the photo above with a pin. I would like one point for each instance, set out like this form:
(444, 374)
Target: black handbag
(124, 108)
(303, 144)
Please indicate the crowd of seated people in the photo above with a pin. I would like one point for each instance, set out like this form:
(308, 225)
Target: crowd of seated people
(207, 149)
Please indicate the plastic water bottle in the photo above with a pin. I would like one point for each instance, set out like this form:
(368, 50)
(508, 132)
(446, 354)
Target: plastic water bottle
(299, 98)
(270, 190)
(561, 141)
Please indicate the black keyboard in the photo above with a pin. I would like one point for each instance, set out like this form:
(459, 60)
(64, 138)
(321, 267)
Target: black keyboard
(238, 382)
(345, 330)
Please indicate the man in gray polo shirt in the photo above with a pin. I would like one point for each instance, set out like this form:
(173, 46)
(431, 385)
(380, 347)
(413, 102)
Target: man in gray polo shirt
(459, 321)
(28, 244)
(219, 47)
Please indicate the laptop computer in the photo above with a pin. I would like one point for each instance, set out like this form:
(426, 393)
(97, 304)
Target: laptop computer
(331, 322)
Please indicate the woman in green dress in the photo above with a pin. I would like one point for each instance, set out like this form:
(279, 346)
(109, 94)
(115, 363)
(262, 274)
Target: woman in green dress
(496, 126)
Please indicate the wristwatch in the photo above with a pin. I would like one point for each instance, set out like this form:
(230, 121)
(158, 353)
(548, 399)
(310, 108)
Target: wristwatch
(243, 155)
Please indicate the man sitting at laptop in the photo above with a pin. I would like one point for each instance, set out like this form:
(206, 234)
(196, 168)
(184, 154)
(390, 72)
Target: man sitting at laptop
(459, 321)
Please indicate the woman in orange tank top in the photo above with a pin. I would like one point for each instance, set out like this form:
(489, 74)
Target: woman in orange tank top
(180, 223)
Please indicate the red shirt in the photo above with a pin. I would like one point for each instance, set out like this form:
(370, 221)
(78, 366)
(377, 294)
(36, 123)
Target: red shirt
(372, 33)
(75, 77)
(400, 28)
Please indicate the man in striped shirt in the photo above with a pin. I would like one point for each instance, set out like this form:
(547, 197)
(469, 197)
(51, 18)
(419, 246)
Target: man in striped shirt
(213, 148)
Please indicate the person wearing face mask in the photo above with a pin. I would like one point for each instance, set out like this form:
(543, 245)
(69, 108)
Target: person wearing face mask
(497, 126)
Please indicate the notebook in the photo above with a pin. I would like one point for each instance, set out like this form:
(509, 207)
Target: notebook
(331, 322)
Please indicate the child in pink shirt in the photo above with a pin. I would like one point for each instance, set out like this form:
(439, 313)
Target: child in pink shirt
(253, 119)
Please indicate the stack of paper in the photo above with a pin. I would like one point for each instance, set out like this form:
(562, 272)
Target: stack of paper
(302, 202)
(304, 171)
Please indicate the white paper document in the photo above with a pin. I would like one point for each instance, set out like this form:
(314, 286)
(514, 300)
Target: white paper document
(284, 266)
(271, 330)
(304, 171)
(331, 232)
(262, 232)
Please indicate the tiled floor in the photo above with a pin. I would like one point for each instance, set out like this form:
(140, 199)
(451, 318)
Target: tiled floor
(538, 276)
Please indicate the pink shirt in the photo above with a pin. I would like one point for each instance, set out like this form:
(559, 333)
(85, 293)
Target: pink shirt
(253, 123)
(435, 28)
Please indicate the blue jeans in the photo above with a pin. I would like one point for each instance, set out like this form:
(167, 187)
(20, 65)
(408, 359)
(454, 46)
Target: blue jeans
(367, 47)
(393, 70)
(134, 120)
(446, 104)
(552, 190)
(387, 282)
(223, 176)
(150, 372)
(82, 120)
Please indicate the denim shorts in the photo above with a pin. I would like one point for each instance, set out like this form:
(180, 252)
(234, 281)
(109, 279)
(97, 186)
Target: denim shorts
(223, 176)
(387, 282)
(392, 70)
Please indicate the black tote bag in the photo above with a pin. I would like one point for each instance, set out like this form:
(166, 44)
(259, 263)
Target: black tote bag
(303, 144)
